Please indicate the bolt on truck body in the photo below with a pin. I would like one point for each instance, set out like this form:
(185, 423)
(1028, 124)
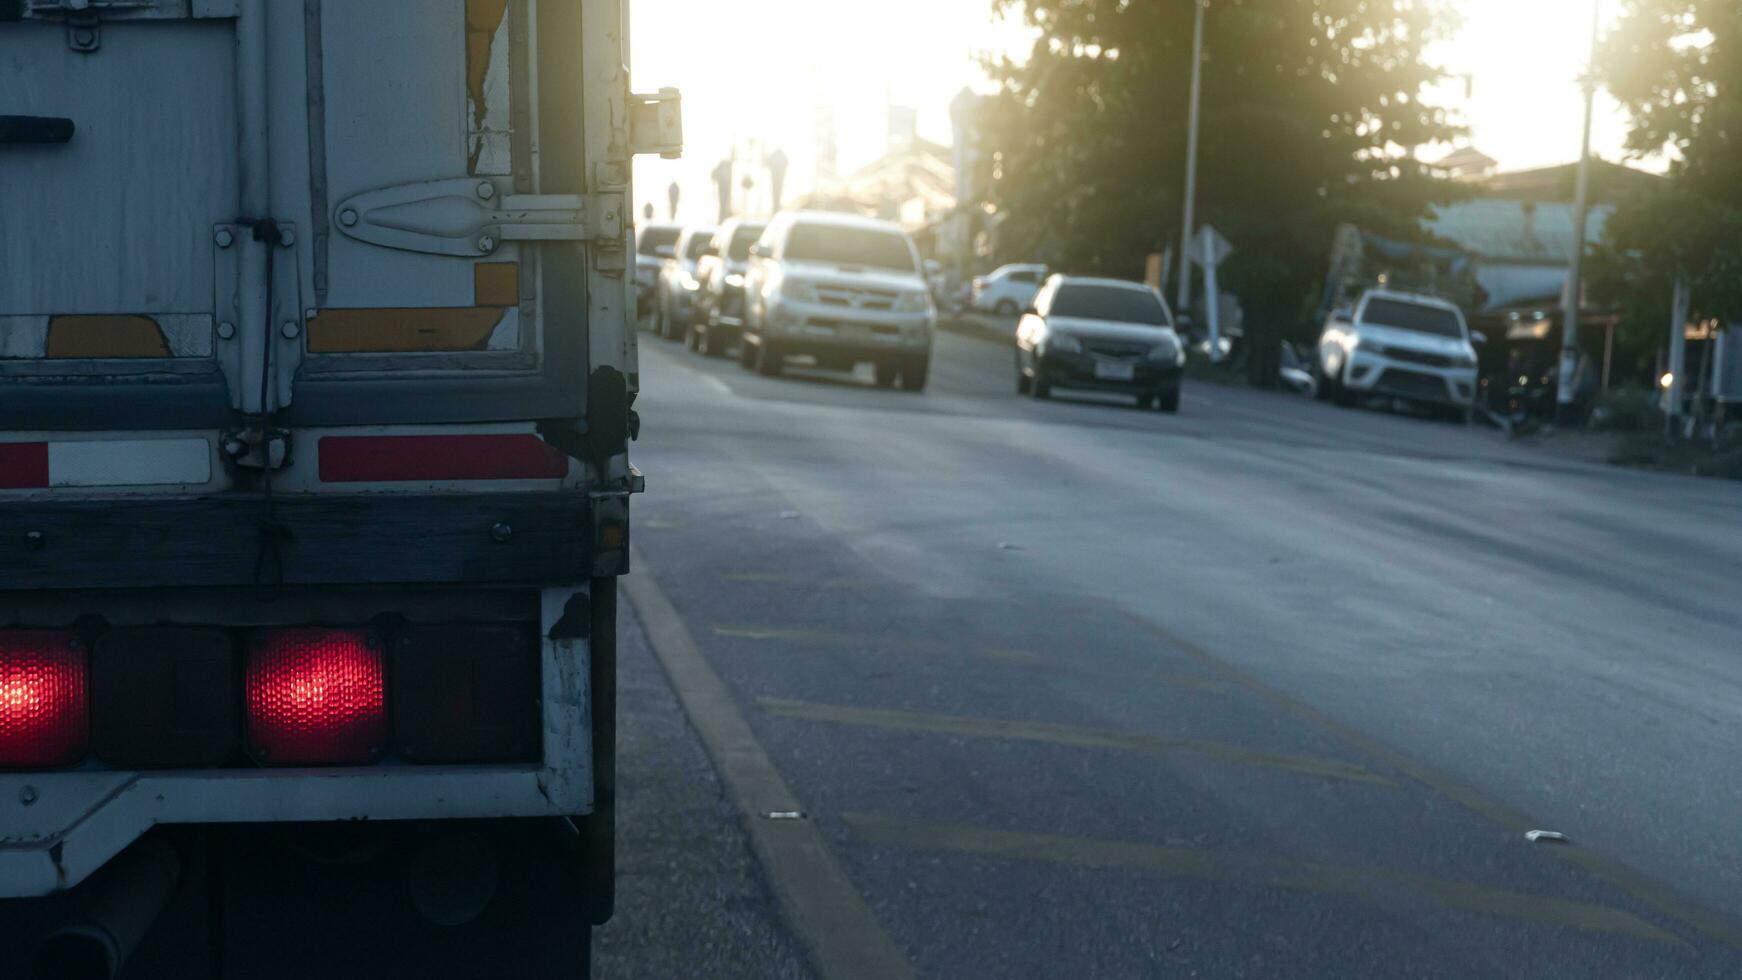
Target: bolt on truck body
(317, 365)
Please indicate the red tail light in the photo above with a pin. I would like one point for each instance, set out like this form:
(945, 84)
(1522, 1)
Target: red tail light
(315, 697)
(44, 719)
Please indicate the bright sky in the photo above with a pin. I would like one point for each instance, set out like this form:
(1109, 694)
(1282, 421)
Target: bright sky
(760, 69)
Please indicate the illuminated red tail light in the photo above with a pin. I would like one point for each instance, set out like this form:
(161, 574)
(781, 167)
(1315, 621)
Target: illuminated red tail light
(44, 717)
(315, 697)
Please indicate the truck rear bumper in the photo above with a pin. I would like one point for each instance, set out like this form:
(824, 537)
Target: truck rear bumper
(76, 822)
(56, 828)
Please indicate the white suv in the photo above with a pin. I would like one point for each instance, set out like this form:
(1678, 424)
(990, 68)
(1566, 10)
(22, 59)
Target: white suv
(1008, 290)
(843, 290)
(1399, 345)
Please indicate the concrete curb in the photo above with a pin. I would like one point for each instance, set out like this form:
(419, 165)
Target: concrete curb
(818, 902)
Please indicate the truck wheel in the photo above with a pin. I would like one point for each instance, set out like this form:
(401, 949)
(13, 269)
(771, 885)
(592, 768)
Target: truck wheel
(913, 376)
(768, 360)
(885, 373)
(1341, 396)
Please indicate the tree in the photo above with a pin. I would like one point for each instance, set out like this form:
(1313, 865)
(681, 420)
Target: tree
(1676, 66)
(1311, 112)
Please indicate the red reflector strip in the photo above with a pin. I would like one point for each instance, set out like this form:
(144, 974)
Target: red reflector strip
(315, 697)
(23, 465)
(44, 717)
(396, 459)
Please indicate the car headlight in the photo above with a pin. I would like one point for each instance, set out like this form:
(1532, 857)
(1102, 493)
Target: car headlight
(1064, 342)
(735, 281)
(1166, 350)
(689, 282)
(797, 290)
(912, 303)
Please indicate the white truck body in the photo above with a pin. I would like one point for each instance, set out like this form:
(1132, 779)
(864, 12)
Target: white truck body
(314, 312)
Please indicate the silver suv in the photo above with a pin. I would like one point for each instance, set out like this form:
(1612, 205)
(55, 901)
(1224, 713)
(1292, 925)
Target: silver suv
(842, 290)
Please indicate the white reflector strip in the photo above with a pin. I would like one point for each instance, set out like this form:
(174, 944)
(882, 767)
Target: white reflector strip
(129, 463)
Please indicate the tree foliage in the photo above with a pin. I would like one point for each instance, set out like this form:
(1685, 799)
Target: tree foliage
(1676, 65)
(1311, 110)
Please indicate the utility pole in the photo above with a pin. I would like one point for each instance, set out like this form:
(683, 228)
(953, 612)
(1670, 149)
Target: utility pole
(1565, 414)
(1678, 358)
(1185, 235)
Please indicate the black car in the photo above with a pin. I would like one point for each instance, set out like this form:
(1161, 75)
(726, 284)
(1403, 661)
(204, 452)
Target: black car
(1100, 335)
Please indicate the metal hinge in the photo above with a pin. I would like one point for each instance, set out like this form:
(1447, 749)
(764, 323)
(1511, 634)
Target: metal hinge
(467, 217)
(656, 124)
(84, 18)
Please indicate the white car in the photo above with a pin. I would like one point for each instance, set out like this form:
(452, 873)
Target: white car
(1008, 290)
(654, 243)
(678, 290)
(840, 289)
(720, 312)
(1399, 345)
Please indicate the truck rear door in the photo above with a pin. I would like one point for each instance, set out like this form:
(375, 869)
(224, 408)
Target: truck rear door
(442, 285)
(118, 165)
(317, 213)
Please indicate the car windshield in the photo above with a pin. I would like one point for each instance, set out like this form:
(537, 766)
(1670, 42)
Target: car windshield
(742, 239)
(1114, 303)
(653, 239)
(850, 246)
(698, 245)
(1412, 316)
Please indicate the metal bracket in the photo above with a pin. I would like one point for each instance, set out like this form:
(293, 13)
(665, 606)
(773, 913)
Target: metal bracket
(286, 323)
(227, 320)
(84, 18)
(656, 124)
(464, 217)
(84, 32)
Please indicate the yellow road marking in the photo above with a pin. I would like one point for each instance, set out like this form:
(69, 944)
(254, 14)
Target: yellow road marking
(1062, 735)
(1634, 883)
(782, 578)
(1250, 869)
(1003, 655)
(789, 635)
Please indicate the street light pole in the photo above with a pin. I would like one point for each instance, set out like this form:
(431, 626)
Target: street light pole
(1185, 237)
(1565, 413)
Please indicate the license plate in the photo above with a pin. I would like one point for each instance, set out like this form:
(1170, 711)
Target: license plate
(1115, 371)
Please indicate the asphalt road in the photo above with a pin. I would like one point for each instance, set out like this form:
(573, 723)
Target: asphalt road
(1267, 689)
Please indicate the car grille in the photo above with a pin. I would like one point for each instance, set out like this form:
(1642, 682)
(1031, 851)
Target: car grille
(1412, 384)
(1421, 357)
(858, 299)
(1116, 350)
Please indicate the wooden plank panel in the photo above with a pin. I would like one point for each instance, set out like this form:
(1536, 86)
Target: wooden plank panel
(375, 539)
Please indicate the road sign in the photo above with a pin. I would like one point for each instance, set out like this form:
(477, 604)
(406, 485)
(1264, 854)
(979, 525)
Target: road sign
(1212, 246)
